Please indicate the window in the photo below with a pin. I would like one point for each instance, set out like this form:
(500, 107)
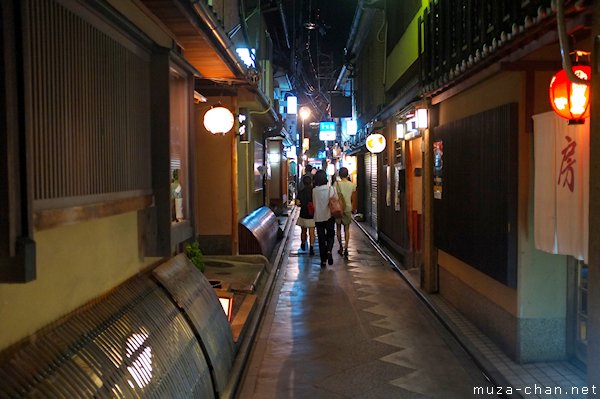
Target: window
(179, 138)
(87, 105)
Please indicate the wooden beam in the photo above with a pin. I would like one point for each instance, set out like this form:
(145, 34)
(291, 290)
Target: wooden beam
(51, 218)
(465, 84)
(545, 65)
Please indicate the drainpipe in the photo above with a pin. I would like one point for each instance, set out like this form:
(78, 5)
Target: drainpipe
(350, 42)
(362, 18)
(214, 31)
(285, 27)
(564, 45)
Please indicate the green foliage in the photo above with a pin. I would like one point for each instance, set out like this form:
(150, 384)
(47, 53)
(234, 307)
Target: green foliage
(193, 252)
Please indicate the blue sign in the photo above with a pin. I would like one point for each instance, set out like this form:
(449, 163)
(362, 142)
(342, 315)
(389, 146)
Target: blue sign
(322, 154)
(327, 131)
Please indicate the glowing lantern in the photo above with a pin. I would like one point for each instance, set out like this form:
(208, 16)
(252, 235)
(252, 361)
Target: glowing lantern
(375, 143)
(218, 120)
(571, 100)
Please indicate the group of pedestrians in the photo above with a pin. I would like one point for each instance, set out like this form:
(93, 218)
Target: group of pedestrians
(313, 199)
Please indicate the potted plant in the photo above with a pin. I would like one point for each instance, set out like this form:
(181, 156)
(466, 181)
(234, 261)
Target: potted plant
(194, 254)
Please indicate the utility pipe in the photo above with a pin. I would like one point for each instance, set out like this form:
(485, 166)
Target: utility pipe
(564, 45)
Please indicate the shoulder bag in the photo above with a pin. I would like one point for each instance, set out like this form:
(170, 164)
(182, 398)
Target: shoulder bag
(335, 207)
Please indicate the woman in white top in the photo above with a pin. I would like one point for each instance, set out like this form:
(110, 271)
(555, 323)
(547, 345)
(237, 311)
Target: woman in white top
(324, 222)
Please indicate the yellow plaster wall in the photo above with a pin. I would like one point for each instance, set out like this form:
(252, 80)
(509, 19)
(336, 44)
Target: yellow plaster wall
(498, 90)
(213, 157)
(484, 285)
(405, 52)
(75, 264)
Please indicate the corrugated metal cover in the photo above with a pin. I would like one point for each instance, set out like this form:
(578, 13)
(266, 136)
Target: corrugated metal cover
(134, 343)
(194, 294)
(258, 232)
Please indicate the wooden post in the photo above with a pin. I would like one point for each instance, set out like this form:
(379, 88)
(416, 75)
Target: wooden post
(429, 275)
(234, 188)
(593, 353)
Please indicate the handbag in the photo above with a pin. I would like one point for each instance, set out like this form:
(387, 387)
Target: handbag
(310, 207)
(335, 207)
(341, 197)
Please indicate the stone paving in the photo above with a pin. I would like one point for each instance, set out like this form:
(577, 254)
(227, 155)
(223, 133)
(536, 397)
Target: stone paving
(352, 330)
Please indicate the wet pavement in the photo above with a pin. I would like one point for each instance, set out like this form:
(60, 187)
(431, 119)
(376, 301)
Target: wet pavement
(352, 330)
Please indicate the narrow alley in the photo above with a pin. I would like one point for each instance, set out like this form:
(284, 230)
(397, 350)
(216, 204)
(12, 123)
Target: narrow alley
(353, 330)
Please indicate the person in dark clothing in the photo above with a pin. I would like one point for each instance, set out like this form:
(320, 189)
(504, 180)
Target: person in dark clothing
(323, 220)
(306, 220)
(307, 172)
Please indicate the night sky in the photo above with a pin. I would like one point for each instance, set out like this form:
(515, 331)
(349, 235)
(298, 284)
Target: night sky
(318, 51)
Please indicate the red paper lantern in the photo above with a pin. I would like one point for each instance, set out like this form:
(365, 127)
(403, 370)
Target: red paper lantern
(571, 100)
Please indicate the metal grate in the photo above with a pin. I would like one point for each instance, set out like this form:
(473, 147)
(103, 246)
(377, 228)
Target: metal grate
(195, 295)
(88, 104)
(134, 343)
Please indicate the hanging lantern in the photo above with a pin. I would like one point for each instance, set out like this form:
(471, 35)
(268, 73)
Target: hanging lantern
(571, 100)
(218, 120)
(375, 143)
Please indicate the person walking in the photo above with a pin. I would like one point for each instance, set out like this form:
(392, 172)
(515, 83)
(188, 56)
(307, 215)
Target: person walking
(306, 219)
(307, 172)
(323, 219)
(345, 190)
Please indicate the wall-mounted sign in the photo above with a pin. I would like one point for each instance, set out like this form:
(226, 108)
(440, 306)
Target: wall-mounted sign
(351, 127)
(438, 166)
(244, 125)
(327, 131)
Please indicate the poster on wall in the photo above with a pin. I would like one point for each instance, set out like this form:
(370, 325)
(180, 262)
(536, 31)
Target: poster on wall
(388, 191)
(397, 168)
(259, 166)
(438, 164)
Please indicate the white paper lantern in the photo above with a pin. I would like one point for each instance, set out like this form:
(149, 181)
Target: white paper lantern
(375, 143)
(218, 120)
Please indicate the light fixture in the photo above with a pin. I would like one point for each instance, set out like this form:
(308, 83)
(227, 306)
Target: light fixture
(304, 113)
(421, 118)
(199, 98)
(247, 55)
(375, 143)
(351, 127)
(274, 157)
(330, 169)
(226, 300)
(218, 120)
(292, 105)
(571, 100)
(400, 130)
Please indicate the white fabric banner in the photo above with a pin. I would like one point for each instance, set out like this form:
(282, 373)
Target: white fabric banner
(561, 185)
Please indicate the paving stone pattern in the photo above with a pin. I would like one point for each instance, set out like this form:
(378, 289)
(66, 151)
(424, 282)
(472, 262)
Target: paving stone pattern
(352, 330)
